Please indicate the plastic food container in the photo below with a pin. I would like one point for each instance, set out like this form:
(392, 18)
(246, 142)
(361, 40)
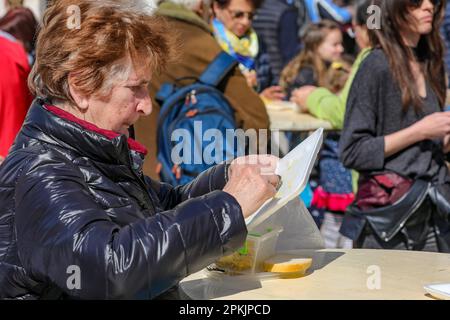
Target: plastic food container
(249, 260)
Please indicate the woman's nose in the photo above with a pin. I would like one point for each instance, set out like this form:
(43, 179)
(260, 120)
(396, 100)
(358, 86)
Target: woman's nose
(145, 105)
(428, 5)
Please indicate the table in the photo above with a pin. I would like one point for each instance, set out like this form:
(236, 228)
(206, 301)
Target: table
(289, 120)
(336, 274)
(285, 117)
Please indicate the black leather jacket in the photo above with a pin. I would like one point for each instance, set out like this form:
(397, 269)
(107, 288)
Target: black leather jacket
(77, 216)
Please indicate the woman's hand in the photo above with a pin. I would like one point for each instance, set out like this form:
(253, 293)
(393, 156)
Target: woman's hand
(252, 181)
(1, 160)
(434, 126)
(300, 96)
(273, 93)
(447, 144)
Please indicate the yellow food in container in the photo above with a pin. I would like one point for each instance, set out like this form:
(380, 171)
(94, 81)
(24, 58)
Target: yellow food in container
(250, 258)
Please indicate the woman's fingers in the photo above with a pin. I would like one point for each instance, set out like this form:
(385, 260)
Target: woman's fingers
(274, 180)
(250, 186)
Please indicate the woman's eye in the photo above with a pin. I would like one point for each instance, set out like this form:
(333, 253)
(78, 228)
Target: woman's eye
(134, 88)
(137, 88)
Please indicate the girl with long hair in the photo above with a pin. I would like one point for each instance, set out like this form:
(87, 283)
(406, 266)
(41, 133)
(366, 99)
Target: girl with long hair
(396, 135)
(313, 67)
(322, 46)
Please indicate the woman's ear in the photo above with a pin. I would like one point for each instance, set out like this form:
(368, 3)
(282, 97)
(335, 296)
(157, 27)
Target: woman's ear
(203, 10)
(216, 10)
(82, 102)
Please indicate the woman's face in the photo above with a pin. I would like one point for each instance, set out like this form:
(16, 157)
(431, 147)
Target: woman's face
(124, 105)
(331, 48)
(237, 16)
(423, 16)
(361, 36)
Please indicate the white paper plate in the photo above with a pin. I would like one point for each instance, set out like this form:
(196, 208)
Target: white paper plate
(440, 291)
(294, 169)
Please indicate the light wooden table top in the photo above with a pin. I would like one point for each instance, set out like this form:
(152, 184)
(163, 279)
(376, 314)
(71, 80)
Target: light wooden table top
(283, 117)
(336, 274)
(287, 120)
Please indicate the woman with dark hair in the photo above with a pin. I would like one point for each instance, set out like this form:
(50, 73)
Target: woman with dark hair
(21, 24)
(233, 30)
(396, 135)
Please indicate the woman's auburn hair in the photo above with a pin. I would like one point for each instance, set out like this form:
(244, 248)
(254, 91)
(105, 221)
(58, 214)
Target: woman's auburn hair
(314, 35)
(430, 51)
(95, 53)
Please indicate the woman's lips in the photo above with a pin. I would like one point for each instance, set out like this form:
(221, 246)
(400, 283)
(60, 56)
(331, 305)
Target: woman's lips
(241, 31)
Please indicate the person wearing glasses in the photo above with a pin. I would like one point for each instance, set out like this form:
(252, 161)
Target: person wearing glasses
(197, 49)
(396, 134)
(232, 25)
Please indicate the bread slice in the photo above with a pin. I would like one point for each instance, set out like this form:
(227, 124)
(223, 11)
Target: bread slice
(284, 263)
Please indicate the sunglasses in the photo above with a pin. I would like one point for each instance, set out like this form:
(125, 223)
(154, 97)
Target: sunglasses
(418, 3)
(237, 14)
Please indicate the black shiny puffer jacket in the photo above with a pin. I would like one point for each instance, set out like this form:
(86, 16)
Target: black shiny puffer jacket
(74, 202)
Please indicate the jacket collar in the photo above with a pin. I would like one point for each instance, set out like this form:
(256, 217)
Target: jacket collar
(53, 125)
(180, 12)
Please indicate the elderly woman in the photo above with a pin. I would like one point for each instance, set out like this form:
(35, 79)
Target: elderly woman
(77, 217)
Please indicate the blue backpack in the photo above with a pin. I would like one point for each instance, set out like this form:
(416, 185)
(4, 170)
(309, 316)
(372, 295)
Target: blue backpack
(191, 121)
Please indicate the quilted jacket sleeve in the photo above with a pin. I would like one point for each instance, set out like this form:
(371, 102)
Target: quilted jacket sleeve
(63, 233)
(211, 180)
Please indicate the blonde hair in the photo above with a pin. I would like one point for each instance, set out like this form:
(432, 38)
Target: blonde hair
(96, 52)
(314, 36)
(338, 74)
